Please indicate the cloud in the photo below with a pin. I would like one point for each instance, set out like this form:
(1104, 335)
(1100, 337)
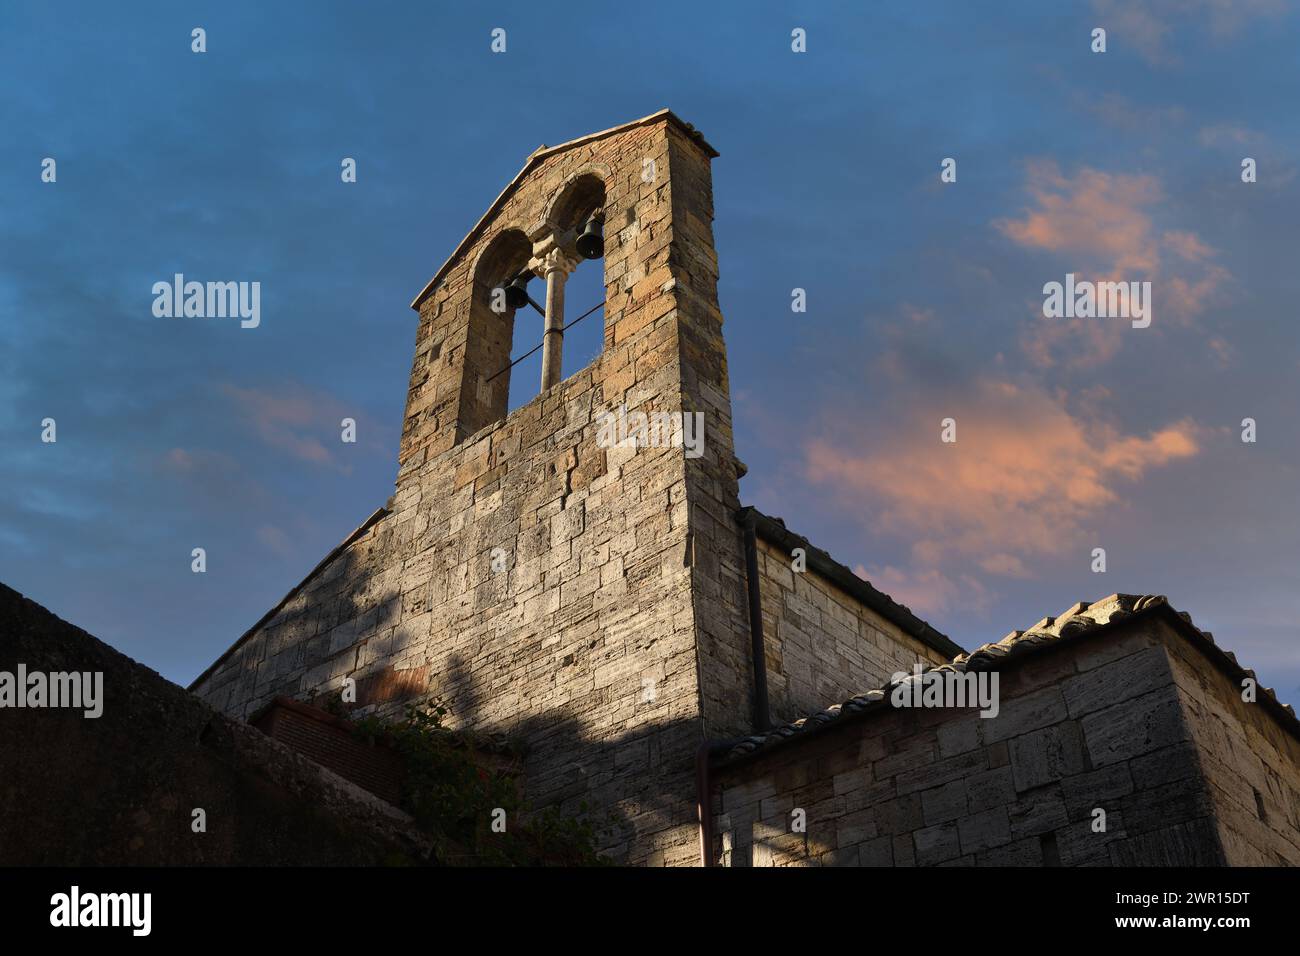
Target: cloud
(1101, 226)
(1145, 25)
(275, 540)
(1117, 110)
(178, 459)
(1226, 134)
(929, 592)
(1096, 215)
(1222, 351)
(192, 461)
(1022, 482)
(286, 418)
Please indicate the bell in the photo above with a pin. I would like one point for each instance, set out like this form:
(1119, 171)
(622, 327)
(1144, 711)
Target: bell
(517, 291)
(591, 244)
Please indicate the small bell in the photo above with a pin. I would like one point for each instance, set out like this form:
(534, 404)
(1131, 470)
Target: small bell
(517, 291)
(591, 243)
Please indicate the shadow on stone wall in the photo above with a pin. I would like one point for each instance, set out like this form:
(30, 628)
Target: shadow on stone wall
(122, 788)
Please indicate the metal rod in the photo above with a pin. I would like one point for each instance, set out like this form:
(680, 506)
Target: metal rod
(543, 342)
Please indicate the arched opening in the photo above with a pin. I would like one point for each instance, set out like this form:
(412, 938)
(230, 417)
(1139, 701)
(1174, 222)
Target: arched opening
(504, 370)
(490, 337)
(585, 288)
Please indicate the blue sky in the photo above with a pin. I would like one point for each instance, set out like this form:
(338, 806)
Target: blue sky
(924, 298)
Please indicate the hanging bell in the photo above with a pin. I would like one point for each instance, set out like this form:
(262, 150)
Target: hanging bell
(517, 291)
(591, 243)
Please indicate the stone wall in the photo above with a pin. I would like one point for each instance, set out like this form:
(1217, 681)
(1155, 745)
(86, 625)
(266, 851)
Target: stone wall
(1251, 765)
(121, 789)
(1092, 723)
(591, 644)
(823, 645)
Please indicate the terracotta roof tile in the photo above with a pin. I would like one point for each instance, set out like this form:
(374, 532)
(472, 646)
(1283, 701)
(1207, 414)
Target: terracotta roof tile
(1082, 619)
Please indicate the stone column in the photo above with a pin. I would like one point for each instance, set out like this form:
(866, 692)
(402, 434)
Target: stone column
(556, 266)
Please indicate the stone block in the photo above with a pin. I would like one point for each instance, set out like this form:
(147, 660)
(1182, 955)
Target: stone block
(1047, 755)
(984, 830)
(1133, 728)
(936, 844)
(943, 803)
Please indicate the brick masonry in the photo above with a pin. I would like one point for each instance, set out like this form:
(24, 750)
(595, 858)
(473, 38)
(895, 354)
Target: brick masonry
(1251, 765)
(822, 644)
(1135, 722)
(616, 639)
(331, 742)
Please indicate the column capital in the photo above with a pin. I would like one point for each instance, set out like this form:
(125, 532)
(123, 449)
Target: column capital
(554, 260)
(554, 251)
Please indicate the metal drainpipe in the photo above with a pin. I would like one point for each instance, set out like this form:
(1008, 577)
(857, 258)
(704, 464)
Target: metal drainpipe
(703, 796)
(762, 715)
(704, 802)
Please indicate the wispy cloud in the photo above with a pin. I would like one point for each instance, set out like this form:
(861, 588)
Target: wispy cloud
(1147, 25)
(290, 419)
(1022, 482)
(1094, 214)
(929, 592)
(1121, 112)
(1103, 226)
(275, 539)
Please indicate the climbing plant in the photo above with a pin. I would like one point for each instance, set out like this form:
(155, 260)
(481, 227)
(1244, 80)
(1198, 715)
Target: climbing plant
(473, 814)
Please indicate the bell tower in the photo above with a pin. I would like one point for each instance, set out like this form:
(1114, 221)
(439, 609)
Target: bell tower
(584, 597)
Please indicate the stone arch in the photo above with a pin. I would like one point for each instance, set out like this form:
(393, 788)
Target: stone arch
(503, 256)
(582, 193)
(485, 386)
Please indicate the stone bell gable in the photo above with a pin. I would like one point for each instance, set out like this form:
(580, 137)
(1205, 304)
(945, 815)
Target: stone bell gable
(586, 599)
(606, 603)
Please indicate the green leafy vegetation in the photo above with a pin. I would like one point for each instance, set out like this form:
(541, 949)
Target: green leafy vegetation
(473, 812)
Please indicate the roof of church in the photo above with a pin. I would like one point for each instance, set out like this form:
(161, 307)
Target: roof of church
(1081, 620)
(535, 157)
(320, 566)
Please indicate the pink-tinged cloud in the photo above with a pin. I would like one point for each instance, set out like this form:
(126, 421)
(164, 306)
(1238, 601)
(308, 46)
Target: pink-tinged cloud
(1222, 350)
(191, 462)
(275, 539)
(1187, 245)
(1102, 227)
(1145, 25)
(929, 592)
(285, 418)
(1096, 216)
(1023, 481)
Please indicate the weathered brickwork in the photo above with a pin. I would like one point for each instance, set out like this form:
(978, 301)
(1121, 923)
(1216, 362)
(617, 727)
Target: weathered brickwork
(822, 644)
(593, 602)
(332, 743)
(1116, 722)
(1251, 765)
(614, 640)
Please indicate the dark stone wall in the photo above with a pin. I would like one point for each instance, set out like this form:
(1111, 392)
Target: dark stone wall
(1097, 724)
(120, 789)
(612, 636)
(1251, 764)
